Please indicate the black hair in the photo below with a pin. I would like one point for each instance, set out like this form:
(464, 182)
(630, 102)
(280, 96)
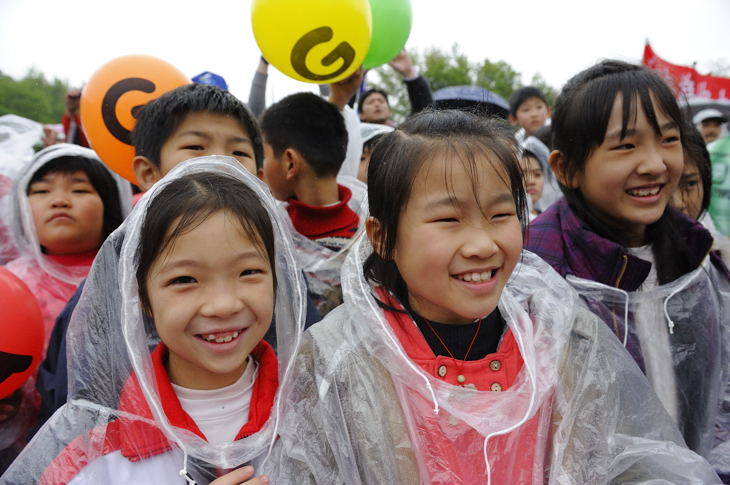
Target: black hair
(367, 94)
(695, 152)
(579, 123)
(529, 154)
(522, 95)
(100, 179)
(311, 126)
(370, 144)
(158, 119)
(399, 156)
(190, 200)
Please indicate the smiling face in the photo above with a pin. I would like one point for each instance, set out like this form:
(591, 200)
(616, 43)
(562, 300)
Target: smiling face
(211, 296)
(455, 252)
(202, 133)
(67, 212)
(631, 180)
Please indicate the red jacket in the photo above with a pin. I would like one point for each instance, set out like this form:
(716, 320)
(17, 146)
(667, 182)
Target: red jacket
(495, 372)
(137, 440)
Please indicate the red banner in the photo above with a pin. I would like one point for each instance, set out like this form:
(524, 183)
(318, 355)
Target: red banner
(686, 82)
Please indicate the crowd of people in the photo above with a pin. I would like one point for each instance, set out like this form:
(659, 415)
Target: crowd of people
(309, 293)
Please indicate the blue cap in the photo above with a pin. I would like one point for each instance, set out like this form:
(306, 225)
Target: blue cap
(213, 79)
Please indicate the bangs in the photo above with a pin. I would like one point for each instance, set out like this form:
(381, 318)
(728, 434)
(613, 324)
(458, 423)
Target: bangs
(471, 155)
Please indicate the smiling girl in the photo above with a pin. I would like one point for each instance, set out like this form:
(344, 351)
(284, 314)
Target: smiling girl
(171, 376)
(457, 357)
(644, 267)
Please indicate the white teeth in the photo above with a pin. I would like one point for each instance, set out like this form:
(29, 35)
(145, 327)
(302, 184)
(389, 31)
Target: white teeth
(644, 192)
(221, 340)
(483, 276)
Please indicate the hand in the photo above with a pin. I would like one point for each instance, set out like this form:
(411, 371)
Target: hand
(403, 64)
(342, 91)
(241, 476)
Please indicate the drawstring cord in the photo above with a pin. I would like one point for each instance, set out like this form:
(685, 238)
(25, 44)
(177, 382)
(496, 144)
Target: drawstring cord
(184, 472)
(533, 394)
(670, 322)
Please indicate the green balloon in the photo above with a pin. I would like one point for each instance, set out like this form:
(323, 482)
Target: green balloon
(391, 28)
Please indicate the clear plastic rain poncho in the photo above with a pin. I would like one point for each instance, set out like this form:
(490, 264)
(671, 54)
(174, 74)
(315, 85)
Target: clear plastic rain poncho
(109, 340)
(322, 265)
(580, 410)
(51, 282)
(18, 135)
(679, 335)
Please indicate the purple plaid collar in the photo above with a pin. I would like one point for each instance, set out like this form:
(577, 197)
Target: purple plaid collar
(570, 247)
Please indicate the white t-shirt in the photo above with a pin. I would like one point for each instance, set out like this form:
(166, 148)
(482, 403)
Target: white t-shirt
(220, 413)
(653, 334)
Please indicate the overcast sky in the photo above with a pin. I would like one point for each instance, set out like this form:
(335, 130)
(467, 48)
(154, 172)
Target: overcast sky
(70, 39)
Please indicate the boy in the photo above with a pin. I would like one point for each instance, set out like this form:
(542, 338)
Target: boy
(305, 143)
(528, 109)
(193, 121)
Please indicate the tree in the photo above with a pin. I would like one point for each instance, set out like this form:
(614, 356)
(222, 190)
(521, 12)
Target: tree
(453, 68)
(33, 97)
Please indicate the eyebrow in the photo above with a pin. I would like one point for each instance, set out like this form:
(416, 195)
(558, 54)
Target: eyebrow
(194, 263)
(46, 180)
(203, 134)
(616, 134)
(447, 201)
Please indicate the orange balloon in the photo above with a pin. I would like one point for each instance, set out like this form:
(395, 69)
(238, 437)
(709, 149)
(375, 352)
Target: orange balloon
(21, 333)
(110, 99)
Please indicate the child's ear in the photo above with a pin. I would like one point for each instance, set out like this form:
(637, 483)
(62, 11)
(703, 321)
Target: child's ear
(558, 164)
(147, 173)
(292, 161)
(512, 119)
(260, 174)
(374, 229)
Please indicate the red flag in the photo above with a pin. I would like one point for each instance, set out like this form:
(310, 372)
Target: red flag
(686, 82)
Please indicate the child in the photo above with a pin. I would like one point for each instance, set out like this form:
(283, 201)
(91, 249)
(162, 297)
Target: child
(692, 196)
(193, 121)
(534, 180)
(371, 133)
(196, 272)
(437, 370)
(66, 203)
(304, 145)
(528, 109)
(641, 265)
(550, 191)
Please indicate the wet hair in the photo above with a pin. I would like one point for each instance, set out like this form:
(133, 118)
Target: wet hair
(399, 157)
(367, 94)
(522, 95)
(695, 153)
(190, 200)
(158, 119)
(579, 123)
(100, 179)
(311, 126)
